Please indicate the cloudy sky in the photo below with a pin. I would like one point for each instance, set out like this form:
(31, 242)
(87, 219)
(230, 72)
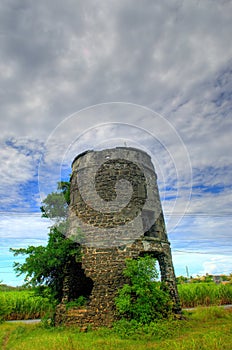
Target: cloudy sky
(157, 75)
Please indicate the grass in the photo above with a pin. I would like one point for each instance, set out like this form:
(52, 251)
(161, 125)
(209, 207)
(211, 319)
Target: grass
(207, 328)
(22, 304)
(205, 294)
(18, 303)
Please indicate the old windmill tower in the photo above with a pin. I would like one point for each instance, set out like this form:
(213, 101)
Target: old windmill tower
(115, 213)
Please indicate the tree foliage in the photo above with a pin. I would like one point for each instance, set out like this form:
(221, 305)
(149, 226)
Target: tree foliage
(143, 299)
(44, 265)
(55, 205)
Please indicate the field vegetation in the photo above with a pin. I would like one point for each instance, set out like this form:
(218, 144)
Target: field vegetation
(19, 304)
(204, 294)
(203, 328)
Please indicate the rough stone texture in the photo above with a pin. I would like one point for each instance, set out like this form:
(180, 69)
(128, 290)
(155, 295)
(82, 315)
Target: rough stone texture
(113, 224)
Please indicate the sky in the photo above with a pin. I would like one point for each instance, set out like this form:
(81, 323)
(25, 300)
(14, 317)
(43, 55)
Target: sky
(155, 75)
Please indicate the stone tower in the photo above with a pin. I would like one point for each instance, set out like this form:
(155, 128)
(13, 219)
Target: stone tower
(115, 213)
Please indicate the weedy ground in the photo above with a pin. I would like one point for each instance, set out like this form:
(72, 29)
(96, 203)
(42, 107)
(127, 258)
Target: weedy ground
(203, 328)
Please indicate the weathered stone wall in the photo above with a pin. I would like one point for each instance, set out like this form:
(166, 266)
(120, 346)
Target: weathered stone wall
(113, 225)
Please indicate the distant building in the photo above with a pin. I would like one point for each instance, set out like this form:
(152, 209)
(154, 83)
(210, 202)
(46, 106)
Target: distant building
(217, 279)
(221, 279)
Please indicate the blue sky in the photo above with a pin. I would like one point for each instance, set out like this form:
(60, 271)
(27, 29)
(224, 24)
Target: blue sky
(166, 66)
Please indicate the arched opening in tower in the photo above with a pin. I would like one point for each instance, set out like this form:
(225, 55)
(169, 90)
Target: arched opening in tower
(157, 256)
(77, 283)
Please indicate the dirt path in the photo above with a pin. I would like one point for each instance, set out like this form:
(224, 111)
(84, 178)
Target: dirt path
(5, 340)
(229, 306)
(24, 321)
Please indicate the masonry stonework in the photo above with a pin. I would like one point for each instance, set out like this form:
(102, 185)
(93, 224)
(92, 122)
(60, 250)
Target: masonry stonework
(115, 213)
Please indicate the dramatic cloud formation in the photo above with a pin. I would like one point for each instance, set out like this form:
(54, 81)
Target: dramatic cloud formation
(172, 57)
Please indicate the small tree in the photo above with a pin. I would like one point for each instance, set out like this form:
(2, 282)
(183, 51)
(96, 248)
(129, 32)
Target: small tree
(44, 265)
(143, 299)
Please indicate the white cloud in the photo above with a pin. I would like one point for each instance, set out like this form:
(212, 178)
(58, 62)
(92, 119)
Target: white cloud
(19, 161)
(201, 264)
(23, 226)
(173, 57)
(19, 231)
(217, 265)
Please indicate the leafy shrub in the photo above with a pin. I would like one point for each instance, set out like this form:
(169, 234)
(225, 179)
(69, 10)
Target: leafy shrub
(143, 299)
(80, 301)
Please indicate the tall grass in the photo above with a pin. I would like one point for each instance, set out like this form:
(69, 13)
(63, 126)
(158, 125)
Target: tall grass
(205, 294)
(22, 304)
(204, 329)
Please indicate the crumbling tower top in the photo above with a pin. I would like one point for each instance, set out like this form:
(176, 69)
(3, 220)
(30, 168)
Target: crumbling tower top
(115, 198)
